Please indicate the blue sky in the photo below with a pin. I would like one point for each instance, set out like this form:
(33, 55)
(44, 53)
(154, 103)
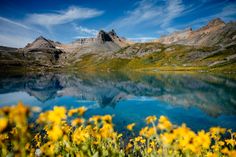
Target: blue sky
(66, 20)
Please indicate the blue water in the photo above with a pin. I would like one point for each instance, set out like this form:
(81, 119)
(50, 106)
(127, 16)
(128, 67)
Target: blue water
(199, 100)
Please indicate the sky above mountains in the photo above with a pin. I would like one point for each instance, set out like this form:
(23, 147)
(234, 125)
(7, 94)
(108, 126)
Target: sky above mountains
(66, 20)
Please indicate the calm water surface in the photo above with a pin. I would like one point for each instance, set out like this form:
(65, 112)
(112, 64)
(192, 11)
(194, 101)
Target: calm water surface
(199, 100)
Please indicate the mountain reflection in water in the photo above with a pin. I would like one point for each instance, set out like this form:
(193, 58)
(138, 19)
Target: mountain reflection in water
(183, 94)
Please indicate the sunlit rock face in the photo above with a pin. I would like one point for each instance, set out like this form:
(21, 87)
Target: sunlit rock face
(216, 32)
(40, 43)
(85, 41)
(40, 53)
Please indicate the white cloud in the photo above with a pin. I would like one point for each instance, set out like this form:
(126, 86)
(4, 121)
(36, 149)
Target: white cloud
(86, 31)
(145, 11)
(2, 19)
(226, 13)
(15, 34)
(174, 9)
(152, 13)
(61, 17)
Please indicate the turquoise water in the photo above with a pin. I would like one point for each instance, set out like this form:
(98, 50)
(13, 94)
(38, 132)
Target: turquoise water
(199, 100)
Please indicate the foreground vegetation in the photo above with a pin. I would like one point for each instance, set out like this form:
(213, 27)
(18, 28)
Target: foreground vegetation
(66, 133)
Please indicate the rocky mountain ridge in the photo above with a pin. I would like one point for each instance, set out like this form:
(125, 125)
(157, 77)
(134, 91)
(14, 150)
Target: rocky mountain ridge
(216, 32)
(103, 37)
(47, 53)
(213, 45)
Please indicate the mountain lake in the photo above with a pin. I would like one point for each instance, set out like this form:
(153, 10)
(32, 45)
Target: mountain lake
(200, 100)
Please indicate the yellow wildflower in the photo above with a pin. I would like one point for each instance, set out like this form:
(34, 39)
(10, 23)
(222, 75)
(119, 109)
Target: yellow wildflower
(151, 119)
(43, 117)
(149, 150)
(225, 151)
(71, 112)
(129, 146)
(55, 133)
(159, 151)
(106, 130)
(215, 148)
(56, 115)
(210, 154)
(147, 132)
(80, 111)
(181, 131)
(217, 130)
(164, 123)
(143, 131)
(48, 148)
(203, 139)
(3, 123)
(130, 126)
(3, 137)
(167, 138)
(80, 135)
(232, 153)
(151, 131)
(221, 143)
(143, 141)
(107, 118)
(152, 144)
(232, 142)
(137, 139)
(95, 119)
(77, 121)
(186, 139)
(60, 111)
(61, 137)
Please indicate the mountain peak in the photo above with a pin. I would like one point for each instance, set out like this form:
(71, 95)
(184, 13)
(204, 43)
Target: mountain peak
(103, 36)
(215, 22)
(40, 37)
(112, 33)
(40, 42)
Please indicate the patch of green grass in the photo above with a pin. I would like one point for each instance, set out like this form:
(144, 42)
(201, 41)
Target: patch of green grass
(94, 62)
(113, 64)
(169, 58)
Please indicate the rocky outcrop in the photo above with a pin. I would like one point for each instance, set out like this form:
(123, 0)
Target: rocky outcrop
(40, 43)
(41, 53)
(103, 38)
(83, 41)
(103, 45)
(216, 32)
(45, 51)
(175, 37)
(10, 57)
